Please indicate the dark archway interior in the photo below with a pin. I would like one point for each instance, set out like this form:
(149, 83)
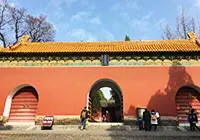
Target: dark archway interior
(112, 111)
(27, 89)
(187, 98)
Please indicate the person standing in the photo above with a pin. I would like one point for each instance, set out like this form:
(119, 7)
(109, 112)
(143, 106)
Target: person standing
(83, 117)
(146, 119)
(158, 117)
(104, 118)
(140, 123)
(154, 119)
(192, 118)
(107, 116)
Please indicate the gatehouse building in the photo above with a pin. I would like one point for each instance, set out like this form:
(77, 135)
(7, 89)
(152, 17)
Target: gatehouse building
(59, 78)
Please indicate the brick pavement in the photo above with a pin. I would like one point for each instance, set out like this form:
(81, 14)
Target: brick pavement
(96, 135)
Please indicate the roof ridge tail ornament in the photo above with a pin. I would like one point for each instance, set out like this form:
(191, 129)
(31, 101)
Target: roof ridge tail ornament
(192, 36)
(24, 40)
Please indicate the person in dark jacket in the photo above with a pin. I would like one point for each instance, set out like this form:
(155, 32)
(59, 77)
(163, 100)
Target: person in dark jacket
(193, 119)
(146, 119)
(83, 117)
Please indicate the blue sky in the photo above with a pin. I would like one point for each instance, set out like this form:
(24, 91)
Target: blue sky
(109, 20)
(106, 92)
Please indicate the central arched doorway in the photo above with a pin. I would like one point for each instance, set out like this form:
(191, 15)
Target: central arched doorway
(187, 97)
(112, 109)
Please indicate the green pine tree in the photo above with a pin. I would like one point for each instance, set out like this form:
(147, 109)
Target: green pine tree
(97, 98)
(127, 38)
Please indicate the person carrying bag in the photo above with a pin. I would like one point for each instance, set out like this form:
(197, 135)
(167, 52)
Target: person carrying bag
(83, 117)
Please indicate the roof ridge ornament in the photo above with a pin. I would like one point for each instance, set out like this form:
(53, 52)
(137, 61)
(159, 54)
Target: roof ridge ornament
(192, 36)
(24, 39)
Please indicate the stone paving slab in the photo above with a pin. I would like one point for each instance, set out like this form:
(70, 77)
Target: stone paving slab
(103, 132)
(96, 135)
(95, 132)
(89, 127)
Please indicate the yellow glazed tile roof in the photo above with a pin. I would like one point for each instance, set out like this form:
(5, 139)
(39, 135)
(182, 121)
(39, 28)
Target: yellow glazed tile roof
(190, 45)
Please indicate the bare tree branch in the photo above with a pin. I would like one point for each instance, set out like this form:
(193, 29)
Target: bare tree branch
(193, 25)
(40, 29)
(18, 21)
(4, 22)
(14, 23)
(2, 38)
(183, 26)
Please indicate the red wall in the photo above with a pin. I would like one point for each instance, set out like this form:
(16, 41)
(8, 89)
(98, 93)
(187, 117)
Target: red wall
(63, 90)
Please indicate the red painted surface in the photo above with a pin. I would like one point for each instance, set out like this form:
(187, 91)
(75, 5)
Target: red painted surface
(24, 107)
(63, 90)
(185, 101)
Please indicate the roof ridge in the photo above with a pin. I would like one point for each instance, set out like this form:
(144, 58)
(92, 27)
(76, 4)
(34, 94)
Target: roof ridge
(104, 42)
(24, 46)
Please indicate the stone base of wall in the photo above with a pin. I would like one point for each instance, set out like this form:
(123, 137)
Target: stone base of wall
(169, 121)
(128, 120)
(75, 120)
(3, 120)
(164, 120)
(61, 120)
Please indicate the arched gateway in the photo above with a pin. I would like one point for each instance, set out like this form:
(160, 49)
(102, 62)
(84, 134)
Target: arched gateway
(21, 105)
(116, 109)
(187, 97)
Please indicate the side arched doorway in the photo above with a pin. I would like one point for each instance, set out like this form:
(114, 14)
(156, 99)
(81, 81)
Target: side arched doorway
(114, 109)
(21, 105)
(187, 97)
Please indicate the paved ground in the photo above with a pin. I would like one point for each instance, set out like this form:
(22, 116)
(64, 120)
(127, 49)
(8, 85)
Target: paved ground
(96, 134)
